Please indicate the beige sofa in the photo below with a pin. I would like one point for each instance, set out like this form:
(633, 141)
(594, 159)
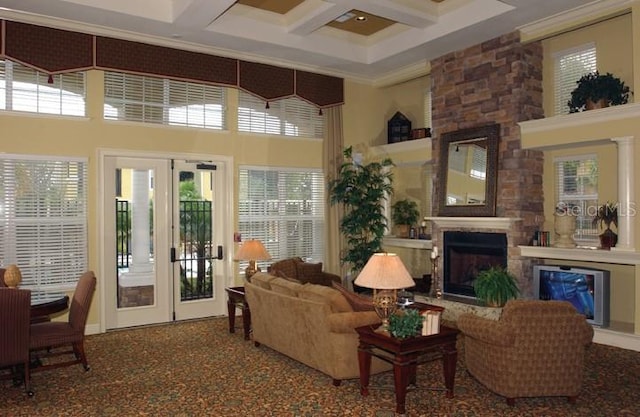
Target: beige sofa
(313, 324)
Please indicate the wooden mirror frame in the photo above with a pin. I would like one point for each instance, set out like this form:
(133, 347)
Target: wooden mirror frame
(492, 134)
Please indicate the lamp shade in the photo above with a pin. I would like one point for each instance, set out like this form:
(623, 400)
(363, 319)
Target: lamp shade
(252, 250)
(385, 271)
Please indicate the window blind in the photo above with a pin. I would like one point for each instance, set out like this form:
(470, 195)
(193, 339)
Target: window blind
(43, 226)
(286, 117)
(569, 66)
(284, 209)
(144, 99)
(27, 90)
(577, 188)
(427, 108)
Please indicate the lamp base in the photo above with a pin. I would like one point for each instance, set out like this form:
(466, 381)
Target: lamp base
(251, 270)
(385, 304)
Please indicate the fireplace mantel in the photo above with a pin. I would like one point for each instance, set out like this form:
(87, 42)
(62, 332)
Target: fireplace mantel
(474, 222)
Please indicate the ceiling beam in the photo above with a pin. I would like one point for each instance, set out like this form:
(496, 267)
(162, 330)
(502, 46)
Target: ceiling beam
(198, 14)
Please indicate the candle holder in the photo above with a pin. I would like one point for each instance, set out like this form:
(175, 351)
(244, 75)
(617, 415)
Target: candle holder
(435, 291)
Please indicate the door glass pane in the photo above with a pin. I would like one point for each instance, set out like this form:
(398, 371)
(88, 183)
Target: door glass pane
(134, 238)
(196, 266)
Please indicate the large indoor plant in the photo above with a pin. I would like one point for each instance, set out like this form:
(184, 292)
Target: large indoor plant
(595, 90)
(404, 214)
(495, 286)
(606, 215)
(361, 189)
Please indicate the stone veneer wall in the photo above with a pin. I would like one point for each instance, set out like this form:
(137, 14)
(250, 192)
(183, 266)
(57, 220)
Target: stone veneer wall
(498, 81)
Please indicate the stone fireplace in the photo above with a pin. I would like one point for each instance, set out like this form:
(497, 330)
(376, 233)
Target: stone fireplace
(498, 81)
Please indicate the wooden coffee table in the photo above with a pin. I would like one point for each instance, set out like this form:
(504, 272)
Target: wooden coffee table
(404, 354)
(236, 300)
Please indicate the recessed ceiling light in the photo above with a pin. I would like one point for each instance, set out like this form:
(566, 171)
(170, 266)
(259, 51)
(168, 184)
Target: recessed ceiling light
(361, 18)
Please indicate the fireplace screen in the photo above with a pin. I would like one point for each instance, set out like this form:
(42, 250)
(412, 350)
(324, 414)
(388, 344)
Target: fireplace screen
(468, 253)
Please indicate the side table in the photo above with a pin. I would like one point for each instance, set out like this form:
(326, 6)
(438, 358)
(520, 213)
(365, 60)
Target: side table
(236, 300)
(404, 355)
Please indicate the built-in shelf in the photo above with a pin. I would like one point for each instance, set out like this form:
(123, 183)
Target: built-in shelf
(612, 256)
(407, 243)
(407, 145)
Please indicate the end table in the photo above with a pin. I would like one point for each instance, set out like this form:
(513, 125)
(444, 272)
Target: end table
(236, 300)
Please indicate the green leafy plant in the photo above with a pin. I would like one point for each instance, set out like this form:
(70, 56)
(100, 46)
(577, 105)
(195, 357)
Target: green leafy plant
(495, 286)
(405, 323)
(361, 189)
(595, 87)
(405, 212)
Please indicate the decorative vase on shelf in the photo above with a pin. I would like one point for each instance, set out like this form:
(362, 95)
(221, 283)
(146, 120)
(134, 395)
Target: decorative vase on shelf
(565, 226)
(608, 239)
(12, 276)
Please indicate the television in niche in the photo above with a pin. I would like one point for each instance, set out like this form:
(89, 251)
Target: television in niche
(585, 288)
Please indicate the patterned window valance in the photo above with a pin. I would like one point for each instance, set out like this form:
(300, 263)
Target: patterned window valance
(55, 51)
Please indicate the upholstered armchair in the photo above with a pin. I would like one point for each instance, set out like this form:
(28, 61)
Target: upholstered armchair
(535, 349)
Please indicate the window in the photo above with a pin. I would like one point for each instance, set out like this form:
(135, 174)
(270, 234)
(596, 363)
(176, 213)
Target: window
(25, 89)
(286, 117)
(143, 99)
(284, 209)
(577, 189)
(43, 219)
(569, 66)
(427, 107)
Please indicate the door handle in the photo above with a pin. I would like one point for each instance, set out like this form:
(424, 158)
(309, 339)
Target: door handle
(219, 252)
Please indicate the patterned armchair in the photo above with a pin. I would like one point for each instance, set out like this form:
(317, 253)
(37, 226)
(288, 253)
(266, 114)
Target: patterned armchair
(536, 349)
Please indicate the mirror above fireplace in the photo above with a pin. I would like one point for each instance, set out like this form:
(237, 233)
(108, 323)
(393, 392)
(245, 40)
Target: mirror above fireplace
(468, 172)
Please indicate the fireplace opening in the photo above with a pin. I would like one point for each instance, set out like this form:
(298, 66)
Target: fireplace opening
(468, 253)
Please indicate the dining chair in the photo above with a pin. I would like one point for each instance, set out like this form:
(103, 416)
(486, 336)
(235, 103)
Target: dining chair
(48, 338)
(15, 315)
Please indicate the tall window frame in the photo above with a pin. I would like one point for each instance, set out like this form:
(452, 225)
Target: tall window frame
(569, 66)
(577, 189)
(24, 89)
(43, 221)
(284, 209)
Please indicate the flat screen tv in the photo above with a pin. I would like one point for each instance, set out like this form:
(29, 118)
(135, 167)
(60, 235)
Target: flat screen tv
(587, 289)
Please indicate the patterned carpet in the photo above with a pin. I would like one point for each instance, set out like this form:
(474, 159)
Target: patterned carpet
(197, 368)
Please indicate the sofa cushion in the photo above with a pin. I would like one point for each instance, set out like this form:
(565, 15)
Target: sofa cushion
(285, 286)
(286, 267)
(262, 280)
(308, 272)
(324, 294)
(357, 302)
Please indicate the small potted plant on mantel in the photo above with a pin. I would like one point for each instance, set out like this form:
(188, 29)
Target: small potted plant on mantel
(607, 214)
(495, 286)
(404, 214)
(596, 90)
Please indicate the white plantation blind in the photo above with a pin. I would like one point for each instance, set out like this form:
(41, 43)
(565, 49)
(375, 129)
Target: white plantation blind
(427, 107)
(143, 99)
(25, 89)
(43, 226)
(577, 188)
(569, 66)
(284, 209)
(286, 117)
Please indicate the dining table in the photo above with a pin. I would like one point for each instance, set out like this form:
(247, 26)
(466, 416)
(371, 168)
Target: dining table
(45, 303)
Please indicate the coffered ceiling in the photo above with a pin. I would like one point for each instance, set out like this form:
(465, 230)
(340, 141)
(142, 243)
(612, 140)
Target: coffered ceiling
(361, 39)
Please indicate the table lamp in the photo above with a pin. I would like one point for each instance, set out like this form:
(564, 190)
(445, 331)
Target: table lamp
(252, 251)
(385, 274)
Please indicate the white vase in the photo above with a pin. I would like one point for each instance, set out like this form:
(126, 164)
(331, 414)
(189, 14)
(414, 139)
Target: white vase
(565, 226)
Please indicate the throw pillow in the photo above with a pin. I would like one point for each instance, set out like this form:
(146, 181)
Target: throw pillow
(358, 302)
(308, 272)
(322, 294)
(283, 286)
(262, 280)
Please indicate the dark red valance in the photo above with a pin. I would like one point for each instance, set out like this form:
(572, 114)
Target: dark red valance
(55, 51)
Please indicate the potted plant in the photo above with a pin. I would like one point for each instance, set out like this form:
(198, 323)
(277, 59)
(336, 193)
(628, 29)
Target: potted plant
(406, 323)
(495, 286)
(404, 214)
(607, 214)
(361, 189)
(595, 91)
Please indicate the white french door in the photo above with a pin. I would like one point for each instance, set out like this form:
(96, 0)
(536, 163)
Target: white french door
(163, 252)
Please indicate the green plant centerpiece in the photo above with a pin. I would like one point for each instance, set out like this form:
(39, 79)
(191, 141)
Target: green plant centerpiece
(597, 90)
(404, 214)
(406, 323)
(606, 215)
(495, 286)
(362, 190)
